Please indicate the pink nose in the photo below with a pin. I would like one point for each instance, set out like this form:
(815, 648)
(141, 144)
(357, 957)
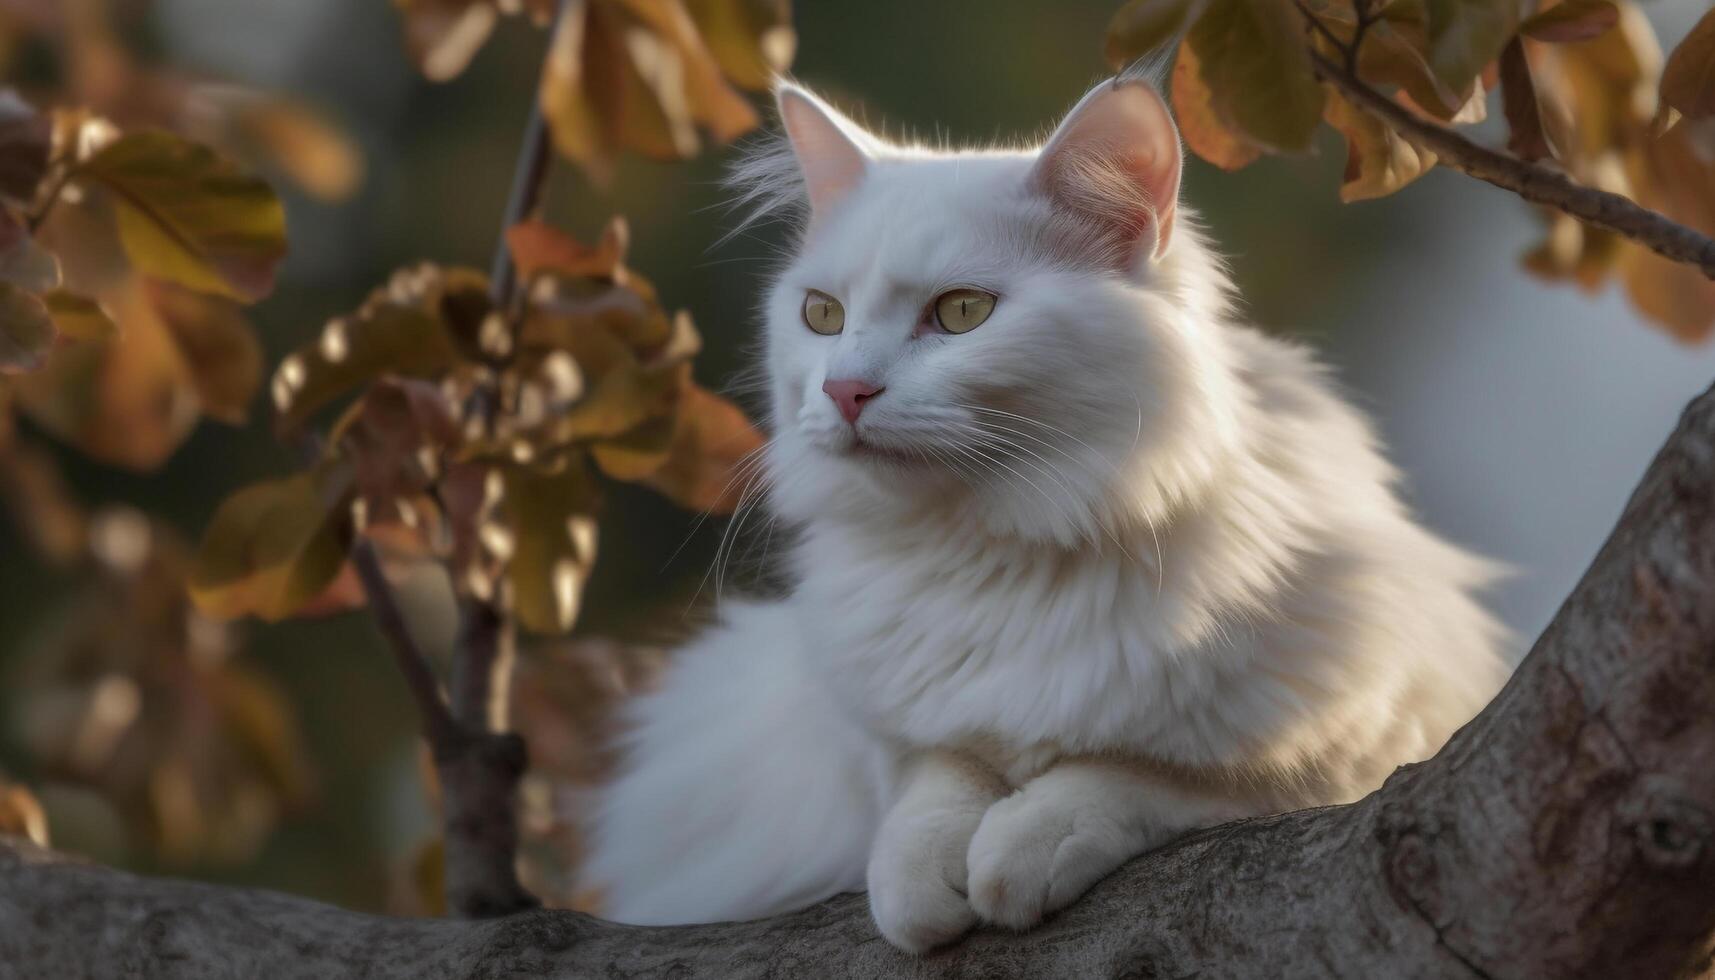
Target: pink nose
(850, 396)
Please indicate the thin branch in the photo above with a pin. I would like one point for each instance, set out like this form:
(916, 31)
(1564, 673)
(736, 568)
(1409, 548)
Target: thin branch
(1530, 181)
(439, 726)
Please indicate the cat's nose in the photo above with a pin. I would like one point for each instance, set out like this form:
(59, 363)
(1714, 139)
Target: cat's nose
(850, 396)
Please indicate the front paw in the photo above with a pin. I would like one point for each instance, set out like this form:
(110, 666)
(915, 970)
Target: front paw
(1033, 855)
(917, 881)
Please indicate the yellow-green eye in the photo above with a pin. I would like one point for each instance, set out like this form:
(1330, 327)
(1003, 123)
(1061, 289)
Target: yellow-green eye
(960, 310)
(823, 313)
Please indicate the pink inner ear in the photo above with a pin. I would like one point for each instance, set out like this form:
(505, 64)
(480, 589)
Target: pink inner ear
(1115, 161)
(831, 160)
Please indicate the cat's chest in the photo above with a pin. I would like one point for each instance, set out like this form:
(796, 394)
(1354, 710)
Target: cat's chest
(1019, 646)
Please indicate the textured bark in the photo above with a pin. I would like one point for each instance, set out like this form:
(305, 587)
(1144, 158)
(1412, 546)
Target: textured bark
(1569, 831)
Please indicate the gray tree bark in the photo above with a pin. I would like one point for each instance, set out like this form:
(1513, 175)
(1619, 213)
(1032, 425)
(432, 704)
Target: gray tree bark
(1568, 831)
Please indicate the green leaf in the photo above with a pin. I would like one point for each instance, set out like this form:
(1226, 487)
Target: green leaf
(274, 546)
(26, 331)
(1466, 35)
(1142, 27)
(190, 217)
(1257, 68)
(549, 517)
(1688, 81)
(1571, 20)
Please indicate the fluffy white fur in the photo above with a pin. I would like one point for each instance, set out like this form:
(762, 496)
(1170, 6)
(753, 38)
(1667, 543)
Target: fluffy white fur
(1107, 568)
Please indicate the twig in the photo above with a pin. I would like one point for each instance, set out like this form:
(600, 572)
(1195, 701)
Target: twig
(439, 727)
(1530, 181)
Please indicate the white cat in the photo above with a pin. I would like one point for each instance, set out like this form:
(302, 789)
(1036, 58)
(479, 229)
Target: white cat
(1084, 563)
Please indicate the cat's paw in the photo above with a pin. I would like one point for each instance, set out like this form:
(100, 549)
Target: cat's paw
(917, 881)
(1034, 854)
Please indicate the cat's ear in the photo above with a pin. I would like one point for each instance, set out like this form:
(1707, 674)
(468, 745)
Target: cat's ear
(832, 151)
(1115, 162)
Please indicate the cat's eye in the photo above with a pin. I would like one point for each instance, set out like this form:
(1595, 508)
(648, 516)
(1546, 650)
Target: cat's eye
(823, 313)
(960, 310)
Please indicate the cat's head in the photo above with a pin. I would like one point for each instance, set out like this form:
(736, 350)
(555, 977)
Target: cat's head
(1018, 337)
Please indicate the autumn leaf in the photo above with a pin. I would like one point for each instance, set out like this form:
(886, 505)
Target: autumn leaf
(1378, 160)
(78, 318)
(1141, 27)
(1253, 60)
(1688, 81)
(26, 331)
(219, 347)
(273, 546)
(443, 36)
(301, 143)
(549, 519)
(641, 75)
(1466, 35)
(540, 247)
(711, 440)
(21, 815)
(1570, 20)
(1202, 131)
(399, 330)
(190, 217)
(1527, 137)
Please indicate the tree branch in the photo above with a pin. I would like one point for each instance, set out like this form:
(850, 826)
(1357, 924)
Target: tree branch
(1568, 831)
(1533, 182)
(439, 727)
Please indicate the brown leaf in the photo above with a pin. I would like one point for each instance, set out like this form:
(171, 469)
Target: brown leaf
(79, 318)
(711, 439)
(752, 40)
(1688, 81)
(219, 347)
(1252, 58)
(1378, 160)
(444, 35)
(190, 217)
(1570, 20)
(45, 509)
(540, 247)
(400, 330)
(303, 144)
(1202, 130)
(1527, 137)
(128, 400)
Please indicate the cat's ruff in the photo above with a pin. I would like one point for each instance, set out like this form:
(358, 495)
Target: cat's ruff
(1119, 566)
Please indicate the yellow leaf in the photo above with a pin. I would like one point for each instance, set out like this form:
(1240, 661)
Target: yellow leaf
(549, 517)
(20, 814)
(753, 40)
(274, 546)
(79, 318)
(1378, 161)
(190, 217)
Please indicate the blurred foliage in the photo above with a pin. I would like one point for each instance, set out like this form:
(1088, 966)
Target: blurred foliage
(475, 444)
(1583, 90)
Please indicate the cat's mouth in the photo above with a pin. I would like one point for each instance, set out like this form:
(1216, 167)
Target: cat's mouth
(860, 449)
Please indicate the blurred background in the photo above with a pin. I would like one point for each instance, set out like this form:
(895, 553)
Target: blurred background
(1521, 413)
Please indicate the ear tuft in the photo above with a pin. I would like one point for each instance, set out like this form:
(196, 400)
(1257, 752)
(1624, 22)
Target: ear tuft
(1115, 162)
(832, 151)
